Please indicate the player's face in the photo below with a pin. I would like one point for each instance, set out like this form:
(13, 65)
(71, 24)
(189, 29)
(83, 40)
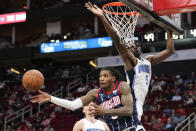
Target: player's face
(86, 110)
(135, 50)
(106, 79)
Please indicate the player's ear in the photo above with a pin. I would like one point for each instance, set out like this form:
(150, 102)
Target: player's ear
(113, 78)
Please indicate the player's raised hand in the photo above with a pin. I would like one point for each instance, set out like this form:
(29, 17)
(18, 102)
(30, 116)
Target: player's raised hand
(42, 97)
(96, 110)
(94, 9)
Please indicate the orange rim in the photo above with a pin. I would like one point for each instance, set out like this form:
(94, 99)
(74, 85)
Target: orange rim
(118, 4)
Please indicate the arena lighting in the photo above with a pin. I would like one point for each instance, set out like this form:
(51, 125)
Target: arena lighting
(52, 40)
(57, 41)
(68, 34)
(92, 63)
(15, 71)
(65, 37)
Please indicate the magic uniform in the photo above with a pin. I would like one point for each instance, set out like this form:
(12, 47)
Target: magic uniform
(139, 80)
(89, 126)
(111, 100)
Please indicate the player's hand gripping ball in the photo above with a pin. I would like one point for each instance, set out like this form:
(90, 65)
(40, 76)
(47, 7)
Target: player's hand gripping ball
(33, 80)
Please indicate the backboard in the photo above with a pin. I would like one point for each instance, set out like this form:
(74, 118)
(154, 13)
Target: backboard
(145, 7)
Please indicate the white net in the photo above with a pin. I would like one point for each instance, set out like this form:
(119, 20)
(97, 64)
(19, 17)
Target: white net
(123, 20)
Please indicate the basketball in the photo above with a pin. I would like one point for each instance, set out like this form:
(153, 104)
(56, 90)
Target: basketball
(33, 80)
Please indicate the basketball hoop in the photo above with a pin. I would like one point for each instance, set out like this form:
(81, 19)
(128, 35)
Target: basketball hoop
(123, 19)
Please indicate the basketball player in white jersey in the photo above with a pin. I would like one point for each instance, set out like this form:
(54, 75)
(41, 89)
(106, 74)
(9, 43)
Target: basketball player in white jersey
(89, 123)
(138, 70)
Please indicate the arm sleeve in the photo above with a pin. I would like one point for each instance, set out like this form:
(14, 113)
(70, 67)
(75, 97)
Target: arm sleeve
(71, 105)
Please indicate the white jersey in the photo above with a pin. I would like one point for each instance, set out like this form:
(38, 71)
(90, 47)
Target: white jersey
(97, 126)
(139, 80)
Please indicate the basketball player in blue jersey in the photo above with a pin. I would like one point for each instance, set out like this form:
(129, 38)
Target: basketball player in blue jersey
(89, 123)
(114, 99)
(137, 69)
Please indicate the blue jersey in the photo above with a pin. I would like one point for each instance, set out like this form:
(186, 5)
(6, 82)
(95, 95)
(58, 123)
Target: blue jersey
(111, 100)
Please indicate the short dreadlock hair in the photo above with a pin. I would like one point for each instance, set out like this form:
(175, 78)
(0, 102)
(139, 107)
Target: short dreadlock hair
(114, 72)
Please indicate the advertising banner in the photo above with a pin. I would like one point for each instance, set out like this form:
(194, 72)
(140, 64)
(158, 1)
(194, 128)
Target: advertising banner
(13, 18)
(76, 45)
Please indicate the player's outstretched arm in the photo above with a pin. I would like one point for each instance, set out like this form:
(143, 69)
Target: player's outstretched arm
(72, 105)
(89, 97)
(126, 100)
(156, 59)
(112, 33)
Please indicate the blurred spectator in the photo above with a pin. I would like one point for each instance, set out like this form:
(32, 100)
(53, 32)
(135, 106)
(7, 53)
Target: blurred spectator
(193, 76)
(169, 124)
(167, 110)
(48, 128)
(146, 120)
(164, 118)
(146, 106)
(37, 123)
(11, 101)
(46, 121)
(188, 100)
(20, 128)
(2, 85)
(58, 109)
(178, 80)
(156, 86)
(177, 118)
(158, 126)
(65, 73)
(181, 110)
(169, 93)
(52, 115)
(82, 89)
(26, 97)
(153, 119)
(29, 127)
(177, 97)
(70, 97)
(9, 128)
(10, 110)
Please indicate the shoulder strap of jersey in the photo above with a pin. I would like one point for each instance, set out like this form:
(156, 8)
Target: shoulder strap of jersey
(119, 87)
(97, 94)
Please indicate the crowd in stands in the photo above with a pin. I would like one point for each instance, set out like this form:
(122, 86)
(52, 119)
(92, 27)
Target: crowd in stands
(171, 98)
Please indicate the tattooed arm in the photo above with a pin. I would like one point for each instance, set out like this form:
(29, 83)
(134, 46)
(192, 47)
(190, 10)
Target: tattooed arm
(125, 110)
